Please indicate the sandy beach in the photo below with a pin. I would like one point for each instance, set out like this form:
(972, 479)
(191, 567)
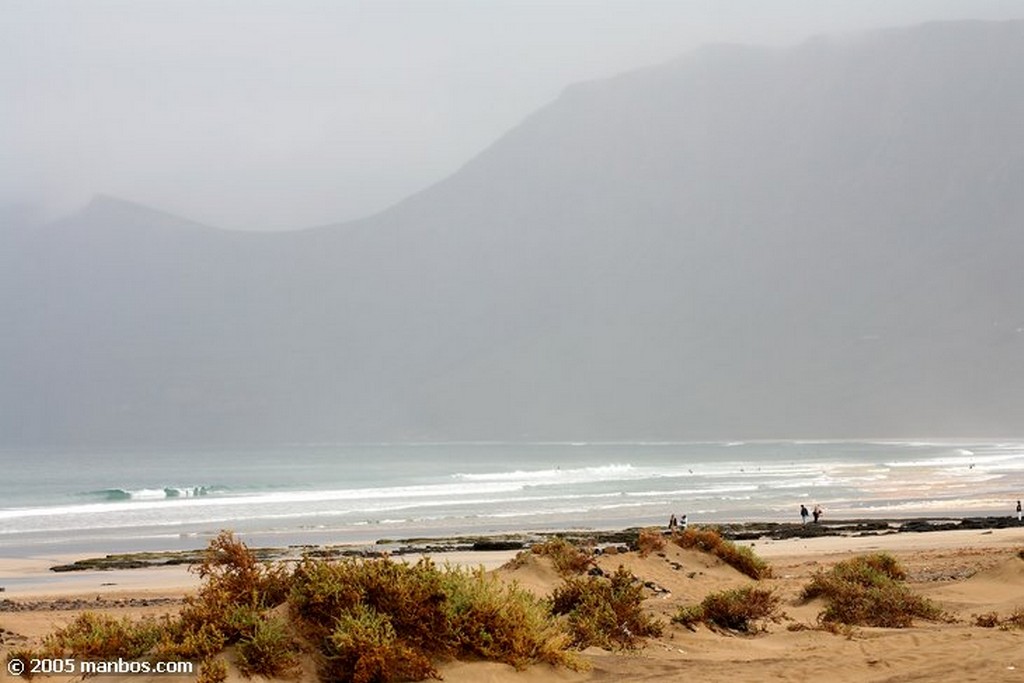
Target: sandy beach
(966, 572)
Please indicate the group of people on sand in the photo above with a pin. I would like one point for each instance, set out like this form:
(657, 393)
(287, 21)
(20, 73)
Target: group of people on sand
(804, 514)
(680, 522)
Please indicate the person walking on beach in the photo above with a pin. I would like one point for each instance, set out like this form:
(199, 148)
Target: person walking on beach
(672, 523)
(817, 513)
(1018, 512)
(804, 514)
(682, 522)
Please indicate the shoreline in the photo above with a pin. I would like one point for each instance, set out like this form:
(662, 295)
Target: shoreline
(149, 574)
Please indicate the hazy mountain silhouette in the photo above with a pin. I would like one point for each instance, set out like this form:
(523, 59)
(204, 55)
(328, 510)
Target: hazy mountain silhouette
(747, 242)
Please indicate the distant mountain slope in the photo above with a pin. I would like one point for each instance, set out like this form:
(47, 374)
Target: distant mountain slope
(746, 242)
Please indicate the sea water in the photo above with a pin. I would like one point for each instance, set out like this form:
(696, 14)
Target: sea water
(112, 501)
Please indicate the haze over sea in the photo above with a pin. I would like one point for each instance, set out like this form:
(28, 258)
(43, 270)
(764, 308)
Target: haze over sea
(127, 500)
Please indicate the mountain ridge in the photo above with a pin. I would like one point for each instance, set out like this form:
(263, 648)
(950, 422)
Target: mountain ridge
(819, 241)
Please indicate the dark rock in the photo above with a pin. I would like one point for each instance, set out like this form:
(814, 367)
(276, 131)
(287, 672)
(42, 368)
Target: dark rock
(498, 545)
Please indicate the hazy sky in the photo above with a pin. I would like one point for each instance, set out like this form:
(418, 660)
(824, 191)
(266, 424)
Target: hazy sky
(265, 115)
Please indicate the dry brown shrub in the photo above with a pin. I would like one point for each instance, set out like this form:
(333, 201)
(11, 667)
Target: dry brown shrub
(987, 620)
(868, 591)
(605, 611)
(740, 558)
(650, 540)
(747, 610)
(213, 670)
(566, 557)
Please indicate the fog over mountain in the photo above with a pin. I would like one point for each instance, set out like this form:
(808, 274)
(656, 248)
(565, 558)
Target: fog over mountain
(819, 241)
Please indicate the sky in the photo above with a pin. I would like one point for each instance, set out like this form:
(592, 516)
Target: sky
(259, 115)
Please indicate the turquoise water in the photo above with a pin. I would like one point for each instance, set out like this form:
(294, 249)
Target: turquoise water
(125, 500)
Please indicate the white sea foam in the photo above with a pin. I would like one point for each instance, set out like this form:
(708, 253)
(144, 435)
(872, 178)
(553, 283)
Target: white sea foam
(582, 483)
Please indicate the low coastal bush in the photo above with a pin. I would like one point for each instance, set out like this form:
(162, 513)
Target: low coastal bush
(212, 671)
(363, 621)
(567, 558)
(380, 620)
(741, 558)
(650, 540)
(236, 589)
(745, 609)
(605, 611)
(268, 649)
(94, 636)
(868, 591)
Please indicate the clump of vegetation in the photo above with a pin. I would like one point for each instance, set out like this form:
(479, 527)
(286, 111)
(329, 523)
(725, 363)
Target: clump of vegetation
(987, 620)
(363, 621)
(650, 540)
(94, 636)
(228, 609)
(380, 620)
(213, 670)
(992, 620)
(741, 558)
(605, 611)
(567, 558)
(747, 610)
(364, 647)
(868, 591)
(1015, 620)
(268, 649)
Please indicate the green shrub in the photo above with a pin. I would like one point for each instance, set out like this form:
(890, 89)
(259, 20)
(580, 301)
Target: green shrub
(743, 609)
(411, 596)
(404, 616)
(740, 558)
(96, 636)
(374, 620)
(606, 612)
(192, 641)
(269, 650)
(365, 648)
(501, 622)
(868, 591)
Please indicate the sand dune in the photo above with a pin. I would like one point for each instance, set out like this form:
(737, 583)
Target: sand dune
(965, 574)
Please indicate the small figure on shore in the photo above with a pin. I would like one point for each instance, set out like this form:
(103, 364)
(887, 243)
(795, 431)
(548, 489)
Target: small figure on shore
(1019, 513)
(682, 523)
(804, 514)
(672, 522)
(817, 513)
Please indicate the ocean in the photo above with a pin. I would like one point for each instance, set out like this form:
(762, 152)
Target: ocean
(117, 501)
